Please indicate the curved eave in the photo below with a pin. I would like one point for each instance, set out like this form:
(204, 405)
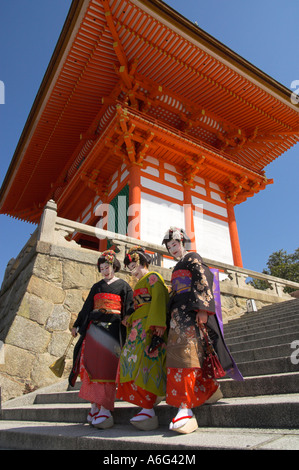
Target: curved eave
(62, 44)
(76, 117)
(220, 50)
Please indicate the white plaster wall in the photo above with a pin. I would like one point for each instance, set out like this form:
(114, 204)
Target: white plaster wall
(162, 188)
(212, 238)
(157, 216)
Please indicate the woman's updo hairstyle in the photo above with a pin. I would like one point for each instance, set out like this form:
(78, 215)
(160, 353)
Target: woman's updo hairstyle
(137, 255)
(109, 256)
(179, 234)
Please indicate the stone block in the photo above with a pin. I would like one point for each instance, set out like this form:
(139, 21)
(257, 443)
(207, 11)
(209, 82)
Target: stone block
(41, 375)
(78, 276)
(10, 388)
(228, 302)
(45, 290)
(18, 362)
(48, 268)
(58, 344)
(35, 308)
(28, 335)
(74, 299)
(59, 319)
(241, 303)
(77, 254)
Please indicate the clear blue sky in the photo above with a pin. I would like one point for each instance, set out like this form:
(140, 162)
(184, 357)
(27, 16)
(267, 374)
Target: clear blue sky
(264, 32)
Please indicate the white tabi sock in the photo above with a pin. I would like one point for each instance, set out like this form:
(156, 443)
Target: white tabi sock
(101, 416)
(145, 413)
(178, 421)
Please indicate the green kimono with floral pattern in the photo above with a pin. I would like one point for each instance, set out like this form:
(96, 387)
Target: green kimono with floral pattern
(146, 370)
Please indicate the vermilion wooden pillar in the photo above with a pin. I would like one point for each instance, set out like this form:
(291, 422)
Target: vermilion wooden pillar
(134, 202)
(234, 237)
(188, 214)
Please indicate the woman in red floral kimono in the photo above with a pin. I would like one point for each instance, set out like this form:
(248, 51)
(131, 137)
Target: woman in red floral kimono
(191, 302)
(102, 336)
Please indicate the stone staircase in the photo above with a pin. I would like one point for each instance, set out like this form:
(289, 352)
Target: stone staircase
(262, 412)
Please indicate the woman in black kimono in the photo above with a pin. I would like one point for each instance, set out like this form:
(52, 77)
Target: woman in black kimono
(191, 305)
(102, 335)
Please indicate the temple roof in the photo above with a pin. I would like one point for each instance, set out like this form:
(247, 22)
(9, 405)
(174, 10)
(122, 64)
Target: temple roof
(129, 77)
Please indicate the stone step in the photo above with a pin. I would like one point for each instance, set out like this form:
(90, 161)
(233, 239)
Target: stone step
(247, 412)
(251, 386)
(59, 397)
(281, 306)
(254, 344)
(268, 399)
(277, 365)
(254, 317)
(264, 334)
(278, 306)
(292, 301)
(261, 385)
(126, 442)
(262, 324)
(267, 352)
(275, 311)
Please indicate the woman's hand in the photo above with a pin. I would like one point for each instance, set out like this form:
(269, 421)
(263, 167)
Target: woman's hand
(201, 317)
(159, 330)
(125, 320)
(74, 332)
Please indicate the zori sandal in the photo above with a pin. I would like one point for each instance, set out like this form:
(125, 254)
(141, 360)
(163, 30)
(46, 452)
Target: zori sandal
(190, 426)
(91, 416)
(103, 424)
(214, 398)
(148, 424)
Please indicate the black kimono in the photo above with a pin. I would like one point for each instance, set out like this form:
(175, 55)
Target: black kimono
(100, 320)
(192, 292)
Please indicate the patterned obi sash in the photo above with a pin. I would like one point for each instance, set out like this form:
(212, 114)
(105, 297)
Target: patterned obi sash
(181, 281)
(110, 302)
(141, 297)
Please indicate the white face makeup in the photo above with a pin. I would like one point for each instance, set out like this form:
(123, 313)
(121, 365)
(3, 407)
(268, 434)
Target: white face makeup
(133, 268)
(175, 248)
(137, 270)
(107, 270)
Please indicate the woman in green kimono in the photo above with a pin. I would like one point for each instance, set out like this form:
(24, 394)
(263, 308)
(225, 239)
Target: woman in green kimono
(142, 372)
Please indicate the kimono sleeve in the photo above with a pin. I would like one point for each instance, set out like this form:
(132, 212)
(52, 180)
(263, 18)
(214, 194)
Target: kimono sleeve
(128, 302)
(159, 299)
(85, 311)
(201, 295)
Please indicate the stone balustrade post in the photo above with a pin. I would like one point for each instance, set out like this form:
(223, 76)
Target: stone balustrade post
(237, 278)
(276, 288)
(279, 288)
(122, 251)
(241, 279)
(46, 229)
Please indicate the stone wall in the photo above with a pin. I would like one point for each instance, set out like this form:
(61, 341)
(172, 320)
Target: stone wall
(38, 305)
(41, 295)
